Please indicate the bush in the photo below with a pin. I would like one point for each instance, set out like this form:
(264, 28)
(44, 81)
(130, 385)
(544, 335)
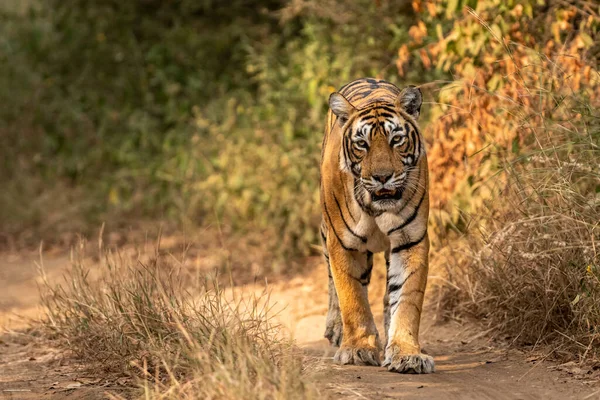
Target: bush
(186, 112)
(534, 273)
(510, 79)
(514, 157)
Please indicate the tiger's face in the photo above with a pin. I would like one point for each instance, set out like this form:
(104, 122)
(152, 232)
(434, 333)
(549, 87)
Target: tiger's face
(381, 147)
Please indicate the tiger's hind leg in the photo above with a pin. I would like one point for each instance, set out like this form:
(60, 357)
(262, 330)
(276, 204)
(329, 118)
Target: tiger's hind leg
(333, 323)
(386, 299)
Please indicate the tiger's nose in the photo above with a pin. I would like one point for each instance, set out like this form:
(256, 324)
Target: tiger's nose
(383, 178)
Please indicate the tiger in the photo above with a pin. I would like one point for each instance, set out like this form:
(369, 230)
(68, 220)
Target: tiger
(375, 198)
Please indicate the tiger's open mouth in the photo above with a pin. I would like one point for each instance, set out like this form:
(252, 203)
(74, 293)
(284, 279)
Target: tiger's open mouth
(387, 194)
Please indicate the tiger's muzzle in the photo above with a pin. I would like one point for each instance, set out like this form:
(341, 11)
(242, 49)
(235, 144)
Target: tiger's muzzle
(386, 194)
(385, 188)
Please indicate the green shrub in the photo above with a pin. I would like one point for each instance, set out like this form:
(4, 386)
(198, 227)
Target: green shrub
(181, 111)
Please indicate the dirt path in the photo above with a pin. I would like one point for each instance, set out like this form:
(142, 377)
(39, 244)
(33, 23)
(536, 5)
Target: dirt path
(29, 367)
(463, 371)
(468, 366)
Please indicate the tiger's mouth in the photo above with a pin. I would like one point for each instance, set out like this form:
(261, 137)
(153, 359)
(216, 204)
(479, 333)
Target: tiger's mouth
(386, 194)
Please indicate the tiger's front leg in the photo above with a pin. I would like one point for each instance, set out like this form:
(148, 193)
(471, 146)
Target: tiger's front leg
(406, 281)
(360, 340)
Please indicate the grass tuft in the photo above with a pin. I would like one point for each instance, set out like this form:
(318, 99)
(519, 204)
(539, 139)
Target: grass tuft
(181, 336)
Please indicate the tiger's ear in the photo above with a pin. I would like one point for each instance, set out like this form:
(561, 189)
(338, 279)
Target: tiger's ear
(410, 100)
(341, 107)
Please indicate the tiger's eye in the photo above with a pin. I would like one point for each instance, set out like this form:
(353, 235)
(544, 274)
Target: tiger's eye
(361, 143)
(396, 139)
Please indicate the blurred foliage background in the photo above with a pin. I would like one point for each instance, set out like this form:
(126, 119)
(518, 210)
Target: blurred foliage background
(203, 113)
(192, 112)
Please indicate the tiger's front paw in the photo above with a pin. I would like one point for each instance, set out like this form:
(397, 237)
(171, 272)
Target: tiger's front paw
(357, 356)
(395, 361)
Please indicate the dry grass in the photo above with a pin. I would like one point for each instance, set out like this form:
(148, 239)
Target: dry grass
(181, 336)
(532, 265)
(516, 153)
(534, 273)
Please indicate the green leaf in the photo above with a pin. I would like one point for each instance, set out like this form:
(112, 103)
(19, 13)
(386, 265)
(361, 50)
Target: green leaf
(516, 148)
(587, 40)
(494, 82)
(451, 8)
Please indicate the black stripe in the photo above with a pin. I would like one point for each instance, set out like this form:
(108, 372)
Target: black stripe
(411, 124)
(397, 286)
(351, 84)
(412, 196)
(334, 231)
(348, 207)
(393, 288)
(356, 152)
(323, 236)
(368, 118)
(344, 145)
(411, 292)
(412, 304)
(412, 216)
(415, 306)
(366, 111)
(386, 115)
(365, 278)
(414, 136)
(352, 92)
(366, 274)
(345, 148)
(362, 238)
(408, 245)
(346, 198)
(387, 108)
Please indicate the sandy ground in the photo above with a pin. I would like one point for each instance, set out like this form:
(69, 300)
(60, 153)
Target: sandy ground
(468, 365)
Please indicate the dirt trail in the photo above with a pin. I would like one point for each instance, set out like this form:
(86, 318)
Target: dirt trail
(468, 366)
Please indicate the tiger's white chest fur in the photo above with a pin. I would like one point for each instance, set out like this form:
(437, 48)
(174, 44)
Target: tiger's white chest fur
(373, 229)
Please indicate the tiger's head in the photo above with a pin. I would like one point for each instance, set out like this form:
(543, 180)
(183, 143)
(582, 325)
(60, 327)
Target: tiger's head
(381, 147)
